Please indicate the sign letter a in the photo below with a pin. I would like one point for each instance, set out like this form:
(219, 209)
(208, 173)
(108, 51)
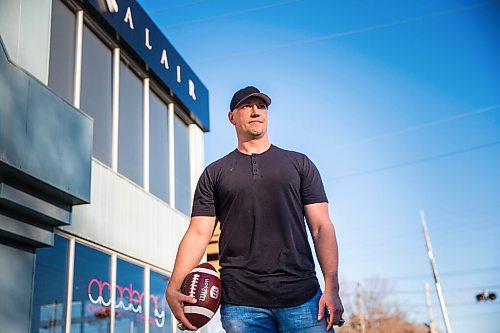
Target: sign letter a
(128, 18)
(164, 59)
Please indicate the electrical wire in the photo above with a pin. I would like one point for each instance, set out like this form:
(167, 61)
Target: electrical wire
(185, 5)
(413, 162)
(217, 17)
(417, 127)
(354, 32)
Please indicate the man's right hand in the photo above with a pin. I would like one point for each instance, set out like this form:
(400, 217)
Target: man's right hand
(176, 301)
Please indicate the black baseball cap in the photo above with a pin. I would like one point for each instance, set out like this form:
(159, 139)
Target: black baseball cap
(241, 95)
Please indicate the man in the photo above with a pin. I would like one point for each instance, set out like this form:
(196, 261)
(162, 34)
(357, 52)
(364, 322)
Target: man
(260, 194)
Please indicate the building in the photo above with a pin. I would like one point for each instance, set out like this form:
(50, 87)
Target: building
(101, 144)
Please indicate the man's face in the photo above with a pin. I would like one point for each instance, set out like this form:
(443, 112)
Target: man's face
(250, 118)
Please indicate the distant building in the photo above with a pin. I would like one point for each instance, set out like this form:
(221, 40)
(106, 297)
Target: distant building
(101, 145)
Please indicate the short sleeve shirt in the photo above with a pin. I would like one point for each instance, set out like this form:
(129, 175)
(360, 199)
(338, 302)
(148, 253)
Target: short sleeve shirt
(258, 200)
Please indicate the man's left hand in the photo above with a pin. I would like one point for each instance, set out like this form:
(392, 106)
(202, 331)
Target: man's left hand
(331, 306)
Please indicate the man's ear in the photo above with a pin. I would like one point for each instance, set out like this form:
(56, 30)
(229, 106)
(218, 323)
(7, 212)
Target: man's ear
(230, 116)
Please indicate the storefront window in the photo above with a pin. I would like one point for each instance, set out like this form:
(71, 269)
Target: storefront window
(129, 298)
(49, 297)
(160, 319)
(158, 148)
(97, 92)
(90, 311)
(62, 51)
(182, 174)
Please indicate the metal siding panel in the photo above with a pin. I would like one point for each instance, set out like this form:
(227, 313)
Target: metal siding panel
(13, 112)
(123, 217)
(16, 288)
(26, 233)
(42, 136)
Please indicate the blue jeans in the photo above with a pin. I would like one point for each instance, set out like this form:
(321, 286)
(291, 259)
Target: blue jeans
(248, 319)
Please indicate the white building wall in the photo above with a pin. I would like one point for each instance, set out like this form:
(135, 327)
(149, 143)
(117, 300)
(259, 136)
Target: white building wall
(126, 219)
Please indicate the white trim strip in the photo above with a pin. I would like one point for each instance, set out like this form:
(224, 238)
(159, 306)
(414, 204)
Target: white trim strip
(146, 135)
(113, 294)
(78, 59)
(205, 270)
(116, 108)
(69, 282)
(146, 298)
(199, 310)
(171, 155)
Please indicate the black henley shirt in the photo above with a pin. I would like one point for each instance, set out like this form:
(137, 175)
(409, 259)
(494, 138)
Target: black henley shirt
(258, 199)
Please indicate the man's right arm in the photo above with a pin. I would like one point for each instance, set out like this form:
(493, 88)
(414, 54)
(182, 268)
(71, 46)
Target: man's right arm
(189, 254)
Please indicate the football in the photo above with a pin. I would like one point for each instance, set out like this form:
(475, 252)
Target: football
(202, 283)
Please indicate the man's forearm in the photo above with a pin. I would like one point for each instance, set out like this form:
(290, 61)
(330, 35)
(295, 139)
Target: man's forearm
(325, 243)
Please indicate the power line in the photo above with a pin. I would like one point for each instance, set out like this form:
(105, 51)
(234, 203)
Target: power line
(451, 273)
(472, 289)
(212, 18)
(169, 8)
(417, 161)
(355, 31)
(443, 215)
(418, 127)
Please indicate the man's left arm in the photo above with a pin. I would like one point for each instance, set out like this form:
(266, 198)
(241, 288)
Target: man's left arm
(325, 243)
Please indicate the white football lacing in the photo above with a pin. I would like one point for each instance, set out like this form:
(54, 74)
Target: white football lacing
(194, 284)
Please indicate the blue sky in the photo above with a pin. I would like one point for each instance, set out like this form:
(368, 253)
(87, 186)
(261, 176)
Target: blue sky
(397, 103)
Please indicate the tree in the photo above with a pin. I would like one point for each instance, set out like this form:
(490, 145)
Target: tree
(382, 311)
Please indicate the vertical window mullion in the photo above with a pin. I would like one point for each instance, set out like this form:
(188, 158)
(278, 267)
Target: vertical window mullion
(113, 294)
(147, 292)
(69, 285)
(193, 154)
(146, 135)
(171, 155)
(78, 59)
(116, 107)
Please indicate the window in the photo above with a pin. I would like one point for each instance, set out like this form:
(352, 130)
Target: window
(131, 126)
(160, 319)
(62, 51)
(90, 310)
(129, 297)
(49, 297)
(97, 92)
(158, 148)
(182, 174)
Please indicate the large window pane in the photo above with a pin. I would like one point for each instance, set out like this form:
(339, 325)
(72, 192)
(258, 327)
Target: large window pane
(129, 297)
(160, 319)
(182, 183)
(62, 51)
(131, 128)
(90, 310)
(97, 92)
(49, 297)
(158, 148)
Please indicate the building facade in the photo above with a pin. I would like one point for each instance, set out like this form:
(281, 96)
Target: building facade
(101, 145)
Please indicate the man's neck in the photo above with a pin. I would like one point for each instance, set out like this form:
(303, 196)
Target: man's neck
(256, 146)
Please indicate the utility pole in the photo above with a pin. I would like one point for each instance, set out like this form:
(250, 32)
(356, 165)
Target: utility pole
(361, 309)
(432, 328)
(435, 273)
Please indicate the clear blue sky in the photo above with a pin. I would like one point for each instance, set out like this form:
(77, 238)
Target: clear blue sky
(397, 103)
